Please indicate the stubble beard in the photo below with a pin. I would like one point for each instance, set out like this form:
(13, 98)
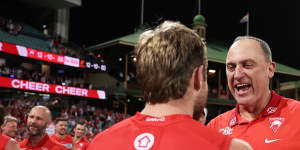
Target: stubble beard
(199, 106)
(38, 132)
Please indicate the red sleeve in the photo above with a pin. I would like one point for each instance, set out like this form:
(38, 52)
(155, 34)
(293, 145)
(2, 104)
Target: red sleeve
(226, 142)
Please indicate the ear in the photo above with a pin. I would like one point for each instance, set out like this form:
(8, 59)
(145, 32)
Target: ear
(198, 77)
(272, 67)
(48, 124)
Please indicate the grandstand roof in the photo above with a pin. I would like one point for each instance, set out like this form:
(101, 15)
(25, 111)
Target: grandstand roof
(290, 85)
(215, 52)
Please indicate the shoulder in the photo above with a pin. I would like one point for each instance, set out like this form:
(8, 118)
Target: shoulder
(52, 137)
(12, 145)
(238, 144)
(290, 105)
(55, 144)
(68, 137)
(191, 132)
(4, 137)
(117, 130)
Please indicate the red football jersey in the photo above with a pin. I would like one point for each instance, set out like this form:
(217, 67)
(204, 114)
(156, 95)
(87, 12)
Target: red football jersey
(82, 144)
(66, 141)
(45, 144)
(173, 132)
(276, 128)
(4, 139)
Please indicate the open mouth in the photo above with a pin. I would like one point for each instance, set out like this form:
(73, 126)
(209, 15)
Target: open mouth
(243, 86)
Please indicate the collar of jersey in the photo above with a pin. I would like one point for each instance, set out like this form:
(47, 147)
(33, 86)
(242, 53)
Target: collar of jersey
(160, 120)
(41, 143)
(273, 104)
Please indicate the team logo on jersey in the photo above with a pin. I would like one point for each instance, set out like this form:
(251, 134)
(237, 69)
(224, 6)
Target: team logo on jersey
(232, 121)
(275, 123)
(271, 110)
(144, 141)
(44, 148)
(226, 131)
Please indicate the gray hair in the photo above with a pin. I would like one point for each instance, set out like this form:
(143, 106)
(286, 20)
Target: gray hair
(264, 45)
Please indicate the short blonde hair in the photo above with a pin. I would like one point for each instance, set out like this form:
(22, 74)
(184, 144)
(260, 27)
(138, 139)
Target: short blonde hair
(9, 118)
(166, 58)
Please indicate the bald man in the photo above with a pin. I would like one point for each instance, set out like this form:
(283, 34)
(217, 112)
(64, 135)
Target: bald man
(6, 143)
(38, 120)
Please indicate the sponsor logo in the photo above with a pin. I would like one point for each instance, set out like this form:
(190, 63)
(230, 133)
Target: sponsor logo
(275, 123)
(144, 141)
(226, 131)
(68, 145)
(162, 119)
(270, 141)
(271, 110)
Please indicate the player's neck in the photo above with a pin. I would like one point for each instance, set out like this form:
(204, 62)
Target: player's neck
(77, 138)
(36, 139)
(251, 112)
(60, 136)
(179, 106)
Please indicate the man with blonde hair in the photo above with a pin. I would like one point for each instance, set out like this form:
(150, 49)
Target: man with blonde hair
(6, 143)
(171, 68)
(10, 126)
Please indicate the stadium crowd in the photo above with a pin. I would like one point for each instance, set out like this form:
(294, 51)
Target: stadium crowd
(64, 79)
(95, 118)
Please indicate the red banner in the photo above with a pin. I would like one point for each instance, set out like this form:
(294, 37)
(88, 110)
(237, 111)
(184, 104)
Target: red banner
(50, 88)
(39, 55)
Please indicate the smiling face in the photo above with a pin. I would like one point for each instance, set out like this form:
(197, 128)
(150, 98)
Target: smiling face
(61, 128)
(248, 72)
(79, 130)
(10, 129)
(38, 120)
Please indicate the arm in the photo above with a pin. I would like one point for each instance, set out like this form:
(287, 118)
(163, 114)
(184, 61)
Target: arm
(238, 144)
(74, 144)
(12, 145)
